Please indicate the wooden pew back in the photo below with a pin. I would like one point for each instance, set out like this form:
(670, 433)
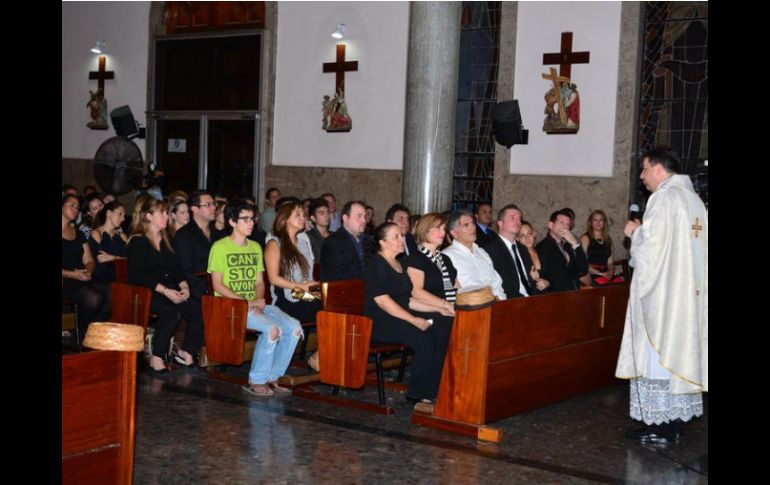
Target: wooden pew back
(225, 329)
(130, 304)
(343, 296)
(98, 399)
(520, 354)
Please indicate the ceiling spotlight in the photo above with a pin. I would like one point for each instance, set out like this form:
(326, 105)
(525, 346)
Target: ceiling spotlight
(339, 31)
(99, 47)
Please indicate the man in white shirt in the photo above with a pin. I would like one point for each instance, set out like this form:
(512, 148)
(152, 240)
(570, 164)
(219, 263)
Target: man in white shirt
(473, 264)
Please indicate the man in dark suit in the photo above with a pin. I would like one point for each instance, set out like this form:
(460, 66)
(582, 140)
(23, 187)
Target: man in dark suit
(398, 214)
(484, 232)
(561, 256)
(343, 253)
(509, 257)
(192, 242)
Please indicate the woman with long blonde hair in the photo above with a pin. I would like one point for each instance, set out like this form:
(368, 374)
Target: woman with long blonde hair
(152, 264)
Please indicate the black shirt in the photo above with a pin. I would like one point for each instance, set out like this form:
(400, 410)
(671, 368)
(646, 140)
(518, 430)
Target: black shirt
(72, 252)
(147, 267)
(381, 279)
(433, 281)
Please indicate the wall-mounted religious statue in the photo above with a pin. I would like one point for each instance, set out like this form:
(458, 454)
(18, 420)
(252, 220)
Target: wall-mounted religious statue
(335, 113)
(98, 108)
(97, 104)
(562, 109)
(562, 101)
(335, 110)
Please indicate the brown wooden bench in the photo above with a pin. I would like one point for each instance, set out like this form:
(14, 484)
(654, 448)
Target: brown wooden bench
(98, 399)
(516, 355)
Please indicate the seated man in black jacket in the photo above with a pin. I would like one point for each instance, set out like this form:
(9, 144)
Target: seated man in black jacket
(343, 254)
(562, 258)
(192, 242)
(509, 257)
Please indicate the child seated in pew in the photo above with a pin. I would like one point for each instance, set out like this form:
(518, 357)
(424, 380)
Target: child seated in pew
(236, 266)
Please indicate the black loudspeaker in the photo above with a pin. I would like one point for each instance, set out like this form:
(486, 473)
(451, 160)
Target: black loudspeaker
(124, 122)
(507, 125)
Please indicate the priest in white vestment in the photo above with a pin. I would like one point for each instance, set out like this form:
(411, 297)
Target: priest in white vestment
(665, 342)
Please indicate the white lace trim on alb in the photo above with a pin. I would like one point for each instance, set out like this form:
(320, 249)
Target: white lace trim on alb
(652, 403)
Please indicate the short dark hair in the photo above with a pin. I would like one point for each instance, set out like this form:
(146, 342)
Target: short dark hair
(569, 213)
(328, 194)
(267, 194)
(66, 187)
(234, 208)
(666, 156)
(315, 204)
(560, 212)
(478, 206)
(396, 208)
(195, 198)
(349, 205)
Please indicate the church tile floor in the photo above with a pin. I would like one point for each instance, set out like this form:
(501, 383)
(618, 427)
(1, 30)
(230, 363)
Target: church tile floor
(192, 429)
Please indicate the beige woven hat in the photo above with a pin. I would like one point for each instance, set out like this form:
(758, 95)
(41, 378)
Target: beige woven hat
(475, 298)
(114, 336)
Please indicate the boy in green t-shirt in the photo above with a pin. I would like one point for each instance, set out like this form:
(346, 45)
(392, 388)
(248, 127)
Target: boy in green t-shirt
(236, 267)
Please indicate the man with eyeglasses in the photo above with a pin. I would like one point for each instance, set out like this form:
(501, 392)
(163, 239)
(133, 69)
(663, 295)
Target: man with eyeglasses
(236, 266)
(192, 242)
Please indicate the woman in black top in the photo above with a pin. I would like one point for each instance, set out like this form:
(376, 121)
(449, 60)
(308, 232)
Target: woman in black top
(77, 266)
(388, 302)
(597, 244)
(107, 242)
(433, 276)
(152, 264)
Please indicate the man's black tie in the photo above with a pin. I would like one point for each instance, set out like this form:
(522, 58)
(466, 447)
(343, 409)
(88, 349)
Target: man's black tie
(520, 269)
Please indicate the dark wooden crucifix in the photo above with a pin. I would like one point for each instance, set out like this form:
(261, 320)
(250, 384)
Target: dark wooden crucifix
(340, 67)
(566, 57)
(101, 74)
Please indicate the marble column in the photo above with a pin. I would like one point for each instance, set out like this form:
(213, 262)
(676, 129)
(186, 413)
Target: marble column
(431, 102)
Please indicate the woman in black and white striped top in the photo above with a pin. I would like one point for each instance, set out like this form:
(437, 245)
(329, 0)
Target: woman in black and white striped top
(434, 278)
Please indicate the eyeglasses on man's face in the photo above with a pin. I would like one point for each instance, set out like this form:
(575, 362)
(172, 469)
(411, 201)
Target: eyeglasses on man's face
(248, 219)
(74, 205)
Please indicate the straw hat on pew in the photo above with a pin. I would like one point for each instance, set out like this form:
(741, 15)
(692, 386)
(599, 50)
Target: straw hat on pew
(114, 336)
(474, 298)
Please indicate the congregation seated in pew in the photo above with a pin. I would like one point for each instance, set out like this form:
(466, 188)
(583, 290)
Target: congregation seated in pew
(563, 259)
(399, 318)
(236, 266)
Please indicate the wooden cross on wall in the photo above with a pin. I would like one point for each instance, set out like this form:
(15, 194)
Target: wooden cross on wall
(101, 74)
(566, 57)
(340, 67)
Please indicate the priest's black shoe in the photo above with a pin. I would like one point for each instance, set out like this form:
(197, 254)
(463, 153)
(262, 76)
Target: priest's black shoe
(653, 435)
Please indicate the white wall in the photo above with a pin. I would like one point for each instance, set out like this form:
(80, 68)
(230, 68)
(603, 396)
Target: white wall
(596, 28)
(377, 37)
(124, 25)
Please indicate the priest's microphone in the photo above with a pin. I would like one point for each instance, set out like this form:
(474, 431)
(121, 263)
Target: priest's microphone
(634, 212)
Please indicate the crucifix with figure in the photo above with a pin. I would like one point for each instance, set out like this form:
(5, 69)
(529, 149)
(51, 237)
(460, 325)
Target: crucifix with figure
(563, 93)
(98, 104)
(335, 110)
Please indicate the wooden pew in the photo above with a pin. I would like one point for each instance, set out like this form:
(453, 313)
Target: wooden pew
(521, 354)
(130, 304)
(98, 399)
(343, 328)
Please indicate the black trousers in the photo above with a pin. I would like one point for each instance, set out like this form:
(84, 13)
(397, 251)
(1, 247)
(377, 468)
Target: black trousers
(93, 301)
(169, 315)
(429, 349)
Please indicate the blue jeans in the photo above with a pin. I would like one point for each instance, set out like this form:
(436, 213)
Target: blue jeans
(272, 356)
